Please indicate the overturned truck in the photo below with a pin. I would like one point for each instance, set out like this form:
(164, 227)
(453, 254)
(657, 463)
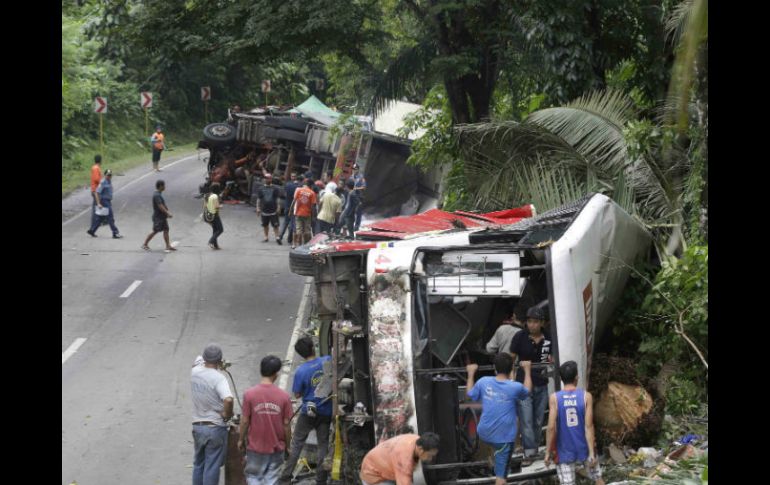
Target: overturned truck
(404, 308)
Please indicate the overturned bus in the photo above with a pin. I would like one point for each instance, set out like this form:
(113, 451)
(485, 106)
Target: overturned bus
(403, 310)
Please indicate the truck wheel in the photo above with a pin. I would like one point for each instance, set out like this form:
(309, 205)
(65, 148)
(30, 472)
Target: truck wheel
(219, 134)
(301, 261)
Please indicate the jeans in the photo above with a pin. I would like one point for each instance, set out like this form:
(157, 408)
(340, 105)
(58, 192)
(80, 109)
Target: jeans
(349, 223)
(262, 469)
(304, 424)
(216, 226)
(288, 223)
(210, 450)
(531, 411)
(97, 220)
(359, 215)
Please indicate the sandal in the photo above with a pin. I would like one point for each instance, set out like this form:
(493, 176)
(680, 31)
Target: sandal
(146, 248)
(171, 248)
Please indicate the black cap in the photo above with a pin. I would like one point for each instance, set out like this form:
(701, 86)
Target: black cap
(537, 312)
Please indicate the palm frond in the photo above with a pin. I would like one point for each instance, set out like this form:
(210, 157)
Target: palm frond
(593, 126)
(677, 21)
(694, 35)
(394, 84)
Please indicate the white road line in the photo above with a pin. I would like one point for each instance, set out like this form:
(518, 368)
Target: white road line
(87, 211)
(295, 334)
(72, 349)
(131, 289)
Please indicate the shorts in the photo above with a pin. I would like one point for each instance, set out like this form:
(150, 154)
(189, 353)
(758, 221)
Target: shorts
(502, 458)
(271, 220)
(156, 155)
(159, 224)
(566, 471)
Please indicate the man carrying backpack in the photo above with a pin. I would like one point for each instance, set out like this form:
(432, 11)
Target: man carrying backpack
(267, 207)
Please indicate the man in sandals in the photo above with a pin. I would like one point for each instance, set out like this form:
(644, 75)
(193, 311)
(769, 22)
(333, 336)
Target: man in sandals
(160, 216)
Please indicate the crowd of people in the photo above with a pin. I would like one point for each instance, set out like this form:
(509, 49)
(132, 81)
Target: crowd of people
(314, 206)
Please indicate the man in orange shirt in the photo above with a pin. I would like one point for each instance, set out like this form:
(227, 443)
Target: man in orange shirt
(158, 145)
(392, 462)
(96, 177)
(304, 201)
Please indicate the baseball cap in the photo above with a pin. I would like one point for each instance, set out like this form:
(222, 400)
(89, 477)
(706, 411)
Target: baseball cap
(107, 172)
(537, 312)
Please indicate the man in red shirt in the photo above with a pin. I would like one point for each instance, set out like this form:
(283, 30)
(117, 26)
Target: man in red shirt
(264, 429)
(304, 201)
(392, 462)
(96, 177)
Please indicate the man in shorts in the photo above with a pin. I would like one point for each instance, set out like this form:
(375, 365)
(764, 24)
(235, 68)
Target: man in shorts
(499, 396)
(158, 141)
(267, 207)
(571, 418)
(160, 216)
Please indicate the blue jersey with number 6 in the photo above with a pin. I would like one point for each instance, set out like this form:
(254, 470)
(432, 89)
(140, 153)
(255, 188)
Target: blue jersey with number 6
(571, 432)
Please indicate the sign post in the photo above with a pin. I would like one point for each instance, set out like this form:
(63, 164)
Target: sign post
(205, 97)
(145, 98)
(100, 107)
(266, 89)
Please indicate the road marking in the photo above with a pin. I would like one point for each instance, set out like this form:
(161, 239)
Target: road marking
(131, 289)
(72, 349)
(295, 334)
(87, 211)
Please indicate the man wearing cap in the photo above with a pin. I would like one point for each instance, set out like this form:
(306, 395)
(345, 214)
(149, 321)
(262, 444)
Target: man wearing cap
(103, 196)
(267, 207)
(533, 345)
(212, 407)
(359, 188)
(158, 141)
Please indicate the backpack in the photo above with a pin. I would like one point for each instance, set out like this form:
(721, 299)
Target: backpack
(207, 216)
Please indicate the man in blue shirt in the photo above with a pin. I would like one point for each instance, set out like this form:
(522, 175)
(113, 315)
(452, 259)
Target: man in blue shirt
(316, 412)
(103, 195)
(498, 397)
(572, 409)
(288, 219)
(359, 188)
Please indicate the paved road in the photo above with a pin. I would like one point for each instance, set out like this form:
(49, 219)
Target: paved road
(125, 391)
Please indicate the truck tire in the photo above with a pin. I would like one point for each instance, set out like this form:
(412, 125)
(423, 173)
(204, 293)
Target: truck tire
(273, 121)
(301, 261)
(219, 134)
(269, 132)
(290, 135)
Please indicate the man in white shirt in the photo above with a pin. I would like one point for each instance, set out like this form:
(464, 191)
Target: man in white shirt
(212, 407)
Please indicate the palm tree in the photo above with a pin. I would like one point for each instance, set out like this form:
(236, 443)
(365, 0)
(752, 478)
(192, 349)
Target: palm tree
(559, 154)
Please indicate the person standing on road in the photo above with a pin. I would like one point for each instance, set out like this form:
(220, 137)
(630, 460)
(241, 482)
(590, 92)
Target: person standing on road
(304, 202)
(103, 195)
(288, 221)
(158, 141)
(331, 205)
(359, 188)
(572, 410)
(96, 177)
(160, 216)
(265, 425)
(212, 408)
(267, 207)
(393, 461)
(535, 346)
(315, 412)
(212, 207)
(499, 397)
(352, 201)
